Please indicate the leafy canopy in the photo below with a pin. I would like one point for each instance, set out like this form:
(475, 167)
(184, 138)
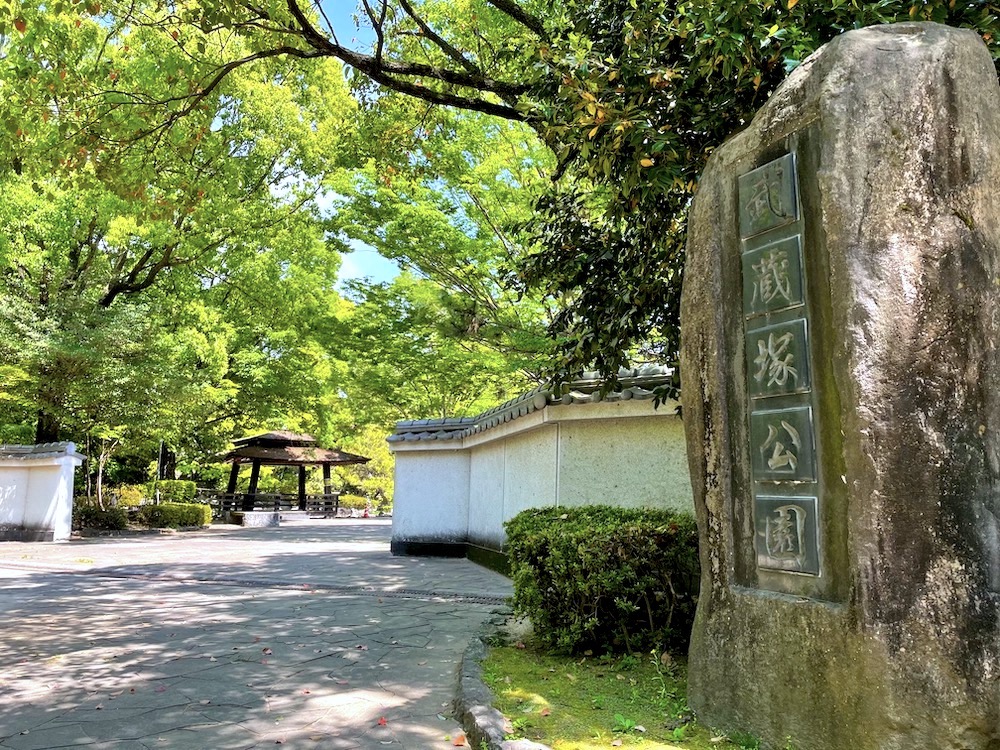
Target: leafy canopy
(630, 97)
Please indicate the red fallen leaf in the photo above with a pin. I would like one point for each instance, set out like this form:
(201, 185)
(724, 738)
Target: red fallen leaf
(20, 25)
(382, 721)
(545, 712)
(519, 644)
(306, 692)
(459, 740)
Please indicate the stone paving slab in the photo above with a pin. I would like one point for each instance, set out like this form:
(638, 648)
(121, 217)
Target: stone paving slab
(234, 638)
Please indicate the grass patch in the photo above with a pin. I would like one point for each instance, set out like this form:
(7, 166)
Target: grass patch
(587, 703)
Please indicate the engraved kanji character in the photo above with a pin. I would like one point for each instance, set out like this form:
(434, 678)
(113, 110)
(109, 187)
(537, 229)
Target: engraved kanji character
(782, 456)
(783, 535)
(765, 196)
(774, 361)
(772, 279)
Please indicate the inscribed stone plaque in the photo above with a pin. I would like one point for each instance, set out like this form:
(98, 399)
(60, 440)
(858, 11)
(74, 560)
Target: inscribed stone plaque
(768, 197)
(786, 531)
(781, 445)
(772, 277)
(778, 359)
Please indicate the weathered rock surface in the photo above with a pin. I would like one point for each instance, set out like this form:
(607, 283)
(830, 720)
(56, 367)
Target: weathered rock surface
(895, 643)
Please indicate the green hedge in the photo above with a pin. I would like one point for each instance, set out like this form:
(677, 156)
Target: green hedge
(173, 515)
(173, 490)
(604, 578)
(354, 502)
(89, 516)
(132, 495)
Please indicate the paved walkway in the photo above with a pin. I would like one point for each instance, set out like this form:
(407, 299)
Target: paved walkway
(306, 636)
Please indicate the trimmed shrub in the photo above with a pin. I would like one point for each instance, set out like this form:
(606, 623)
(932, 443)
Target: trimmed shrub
(354, 502)
(87, 515)
(604, 578)
(174, 515)
(131, 495)
(173, 490)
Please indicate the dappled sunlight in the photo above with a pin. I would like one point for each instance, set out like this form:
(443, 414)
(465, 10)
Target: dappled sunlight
(143, 645)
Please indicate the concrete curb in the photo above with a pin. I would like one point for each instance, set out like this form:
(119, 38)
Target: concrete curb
(485, 727)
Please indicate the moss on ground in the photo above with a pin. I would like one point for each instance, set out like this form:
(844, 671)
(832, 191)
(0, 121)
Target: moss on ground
(587, 703)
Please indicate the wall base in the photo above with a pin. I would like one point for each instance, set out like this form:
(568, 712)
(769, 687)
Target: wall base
(488, 558)
(27, 535)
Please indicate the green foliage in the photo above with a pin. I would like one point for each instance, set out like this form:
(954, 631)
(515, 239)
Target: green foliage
(89, 515)
(174, 515)
(173, 490)
(354, 502)
(131, 495)
(604, 578)
(633, 96)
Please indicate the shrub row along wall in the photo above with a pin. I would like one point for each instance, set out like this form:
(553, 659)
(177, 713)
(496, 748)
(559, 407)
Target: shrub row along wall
(457, 484)
(607, 579)
(162, 516)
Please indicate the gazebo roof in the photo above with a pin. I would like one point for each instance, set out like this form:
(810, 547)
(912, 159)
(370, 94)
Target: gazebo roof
(282, 448)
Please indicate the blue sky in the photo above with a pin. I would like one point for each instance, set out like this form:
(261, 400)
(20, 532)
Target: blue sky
(364, 261)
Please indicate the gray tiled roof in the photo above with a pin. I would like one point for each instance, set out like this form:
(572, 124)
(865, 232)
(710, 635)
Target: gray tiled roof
(638, 383)
(41, 450)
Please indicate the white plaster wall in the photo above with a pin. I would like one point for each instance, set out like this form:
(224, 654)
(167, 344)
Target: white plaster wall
(13, 494)
(627, 462)
(431, 498)
(37, 495)
(531, 469)
(486, 491)
(50, 490)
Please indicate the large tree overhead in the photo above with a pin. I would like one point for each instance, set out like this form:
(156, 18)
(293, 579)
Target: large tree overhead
(630, 96)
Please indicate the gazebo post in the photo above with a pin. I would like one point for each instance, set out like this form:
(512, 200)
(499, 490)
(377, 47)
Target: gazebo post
(252, 492)
(327, 485)
(234, 475)
(302, 486)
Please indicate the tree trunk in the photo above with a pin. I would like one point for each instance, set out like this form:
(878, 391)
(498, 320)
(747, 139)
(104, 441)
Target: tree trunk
(46, 428)
(166, 466)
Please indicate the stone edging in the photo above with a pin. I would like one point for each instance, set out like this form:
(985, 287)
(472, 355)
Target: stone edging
(484, 725)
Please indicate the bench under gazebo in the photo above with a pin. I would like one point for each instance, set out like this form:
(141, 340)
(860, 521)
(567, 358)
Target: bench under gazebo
(283, 448)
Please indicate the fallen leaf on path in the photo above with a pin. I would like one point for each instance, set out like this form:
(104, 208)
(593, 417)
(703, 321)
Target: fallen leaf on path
(459, 740)
(382, 721)
(266, 651)
(160, 689)
(305, 692)
(616, 743)
(204, 702)
(362, 647)
(545, 712)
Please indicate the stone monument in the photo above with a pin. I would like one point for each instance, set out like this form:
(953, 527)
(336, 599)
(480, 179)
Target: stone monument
(841, 393)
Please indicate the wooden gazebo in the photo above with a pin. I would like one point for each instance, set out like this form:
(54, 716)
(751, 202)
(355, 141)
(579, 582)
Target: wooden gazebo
(282, 448)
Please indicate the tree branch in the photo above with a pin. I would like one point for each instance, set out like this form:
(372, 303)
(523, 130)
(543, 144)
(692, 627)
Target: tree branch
(519, 14)
(441, 43)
